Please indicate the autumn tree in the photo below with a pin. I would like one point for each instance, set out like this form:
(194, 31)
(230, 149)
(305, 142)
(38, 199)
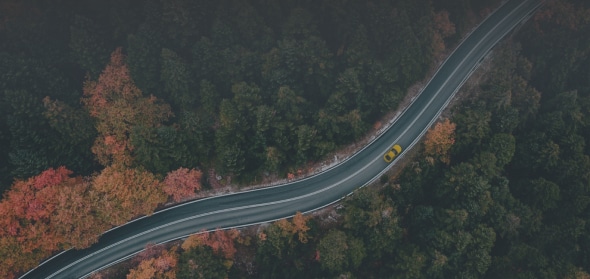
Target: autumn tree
(221, 241)
(119, 106)
(285, 249)
(439, 140)
(126, 193)
(297, 226)
(43, 214)
(182, 183)
(208, 255)
(443, 28)
(159, 266)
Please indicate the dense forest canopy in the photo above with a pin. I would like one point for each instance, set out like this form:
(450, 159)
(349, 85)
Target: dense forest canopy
(254, 86)
(109, 109)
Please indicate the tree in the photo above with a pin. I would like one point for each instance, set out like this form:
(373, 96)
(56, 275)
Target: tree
(464, 188)
(210, 98)
(439, 140)
(298, 226)
(182, 183)
(306, 136)
(408, 263)
(161, 266)
(87, 45)
(28, 136)
(76, 130)
(198, 136)
(126, 193)
(160, 149)
(144, 48)
(176, 79)
(184, 21)
(201, 262)
(372, 217)
(473, 126)
(339, 252)
(503, 146)
(284, 249)
(230, 138)
(43, 214)
(443, 28)
(333, 249)
(220, 241)
(118, 106)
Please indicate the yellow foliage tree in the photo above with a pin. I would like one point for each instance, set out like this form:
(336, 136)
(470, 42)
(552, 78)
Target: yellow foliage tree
(298, 225)
(127, 193)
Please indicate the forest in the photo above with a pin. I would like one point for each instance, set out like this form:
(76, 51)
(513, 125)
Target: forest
(110, 110)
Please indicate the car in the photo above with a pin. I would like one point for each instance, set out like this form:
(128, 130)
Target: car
(394, 151)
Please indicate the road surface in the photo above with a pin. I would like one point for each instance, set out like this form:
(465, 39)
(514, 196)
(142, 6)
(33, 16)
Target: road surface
(268, 204)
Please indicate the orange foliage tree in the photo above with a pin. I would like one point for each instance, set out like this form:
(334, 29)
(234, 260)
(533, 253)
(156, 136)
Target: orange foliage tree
(157, 266)
(43, 214)
(443, 28)
(298, 225)
(220, 241)
(126, 193)
(182, 183)
(118, 106)
(439, 140)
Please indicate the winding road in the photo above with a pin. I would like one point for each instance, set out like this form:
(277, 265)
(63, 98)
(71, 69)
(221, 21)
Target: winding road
(306, 195)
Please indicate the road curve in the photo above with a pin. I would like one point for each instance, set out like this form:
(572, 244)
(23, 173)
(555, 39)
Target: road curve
(272, 203)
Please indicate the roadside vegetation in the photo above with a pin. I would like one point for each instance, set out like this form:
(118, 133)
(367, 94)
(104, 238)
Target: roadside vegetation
(112, 109)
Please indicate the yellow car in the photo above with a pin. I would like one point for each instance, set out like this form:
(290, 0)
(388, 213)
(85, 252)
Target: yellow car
(394, 151)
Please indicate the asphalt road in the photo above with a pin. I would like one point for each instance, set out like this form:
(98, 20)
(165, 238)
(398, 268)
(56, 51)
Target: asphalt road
(263, 205)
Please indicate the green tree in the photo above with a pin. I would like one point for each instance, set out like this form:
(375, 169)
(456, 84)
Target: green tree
(472, 128)
(408, 263)
(464, 188)
(75, 130)
(160, 149)
(198, 136)
(88, 45)
(176, 79)
(185, 21)
(281, 253)
(503, 147)
(230, 138)
(306, 136)
(369, 216)
(30, 141)
(210, 98)
(333, 249)
(144, 49)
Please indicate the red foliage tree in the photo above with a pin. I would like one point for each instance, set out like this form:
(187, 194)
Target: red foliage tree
(182, 183)
(43, 214)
